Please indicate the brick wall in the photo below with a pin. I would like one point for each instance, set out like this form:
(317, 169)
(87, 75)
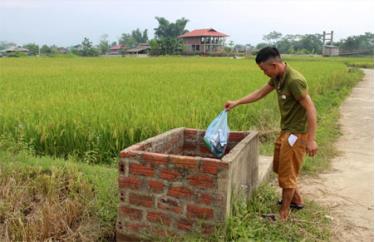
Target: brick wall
(171, 184)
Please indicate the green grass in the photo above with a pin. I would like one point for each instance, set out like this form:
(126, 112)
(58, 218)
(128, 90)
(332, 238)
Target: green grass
(246, 223)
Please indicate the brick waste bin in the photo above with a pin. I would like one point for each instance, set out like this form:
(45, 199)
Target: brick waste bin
(171, 184)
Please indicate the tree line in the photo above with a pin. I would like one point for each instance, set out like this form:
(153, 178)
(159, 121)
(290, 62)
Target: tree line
(165, 42)
(313, 43)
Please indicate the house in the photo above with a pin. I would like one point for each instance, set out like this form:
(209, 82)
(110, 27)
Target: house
(142, 48)
(117, 49)
(14, 49)
(330, 50)
(62, 50)
(203, 41)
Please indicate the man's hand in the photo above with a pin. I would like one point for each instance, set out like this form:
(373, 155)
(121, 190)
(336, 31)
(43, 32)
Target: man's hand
(311, 147)
(230, 104)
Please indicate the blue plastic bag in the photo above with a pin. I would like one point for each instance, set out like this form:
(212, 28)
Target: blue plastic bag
(217, 133)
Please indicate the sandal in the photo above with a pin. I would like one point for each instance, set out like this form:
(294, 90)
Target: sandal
(292, 205)
(269, 216)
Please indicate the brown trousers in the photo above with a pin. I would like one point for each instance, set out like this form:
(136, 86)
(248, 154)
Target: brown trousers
(287, 159)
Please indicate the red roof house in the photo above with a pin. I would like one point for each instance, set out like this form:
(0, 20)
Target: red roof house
(203, 41)
(116, 49)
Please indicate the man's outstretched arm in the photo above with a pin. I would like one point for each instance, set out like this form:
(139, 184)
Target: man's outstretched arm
(252, 97)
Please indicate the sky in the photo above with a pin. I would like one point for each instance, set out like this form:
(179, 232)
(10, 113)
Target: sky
(67, 22)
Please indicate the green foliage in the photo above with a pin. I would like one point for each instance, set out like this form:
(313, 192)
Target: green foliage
(103, 44)
(87, 48)
(312, 43)
(127, 40)
(133, 39)
(364, 42)
(166, 36)
(93, 108)
(247, 224)
(33, 48)
(300, 44)
(45, 50)
(272, 37)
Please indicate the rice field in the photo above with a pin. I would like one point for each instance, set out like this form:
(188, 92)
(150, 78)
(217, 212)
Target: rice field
(91, 108)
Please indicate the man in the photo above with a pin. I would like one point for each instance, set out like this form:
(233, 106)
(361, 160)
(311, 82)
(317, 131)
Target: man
(298, 123)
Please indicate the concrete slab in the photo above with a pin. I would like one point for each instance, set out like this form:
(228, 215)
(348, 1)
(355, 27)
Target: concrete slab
(264, 168)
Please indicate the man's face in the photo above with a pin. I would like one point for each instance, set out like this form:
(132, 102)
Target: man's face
(269, 69)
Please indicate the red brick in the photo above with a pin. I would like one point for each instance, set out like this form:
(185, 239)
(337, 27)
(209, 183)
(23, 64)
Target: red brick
(189, 146)
(236, 136)
(131, 213)
(162, 233)
(135, 227)
(141, 200)
(208, 229)
(189, 151)
(184, 161)
(184, 224)
(169, 175)
(190, 133)
(194, 211)
(212, 166)
(155, 185)
(138, 169)
(158, 217)
(210, 199)
(129, 182)
(155, 158)
(204, 150)
(180, 192)
(170, 205)
(205, 198)
(202, 181)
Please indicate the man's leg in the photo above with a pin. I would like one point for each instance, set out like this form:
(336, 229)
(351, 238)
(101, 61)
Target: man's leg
(297, 198)
(288, 194)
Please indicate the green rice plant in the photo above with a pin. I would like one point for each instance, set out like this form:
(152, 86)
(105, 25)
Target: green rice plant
(91, 108)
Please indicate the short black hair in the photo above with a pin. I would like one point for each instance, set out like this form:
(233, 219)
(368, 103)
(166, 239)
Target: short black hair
(267, 53)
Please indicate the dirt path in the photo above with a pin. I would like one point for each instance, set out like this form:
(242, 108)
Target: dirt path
(347, 189)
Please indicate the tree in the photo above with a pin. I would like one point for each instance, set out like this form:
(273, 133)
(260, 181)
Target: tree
(311, 43)
(103, 44)
(45, 50)
(87, 48)
(132, 40)
(231, 46)
(127, 40)
(155, 48)
(272, 37)
(363, 43)
(33, 48)
(166, 35)
(261, 46)
(144, 36)
(138, 37)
